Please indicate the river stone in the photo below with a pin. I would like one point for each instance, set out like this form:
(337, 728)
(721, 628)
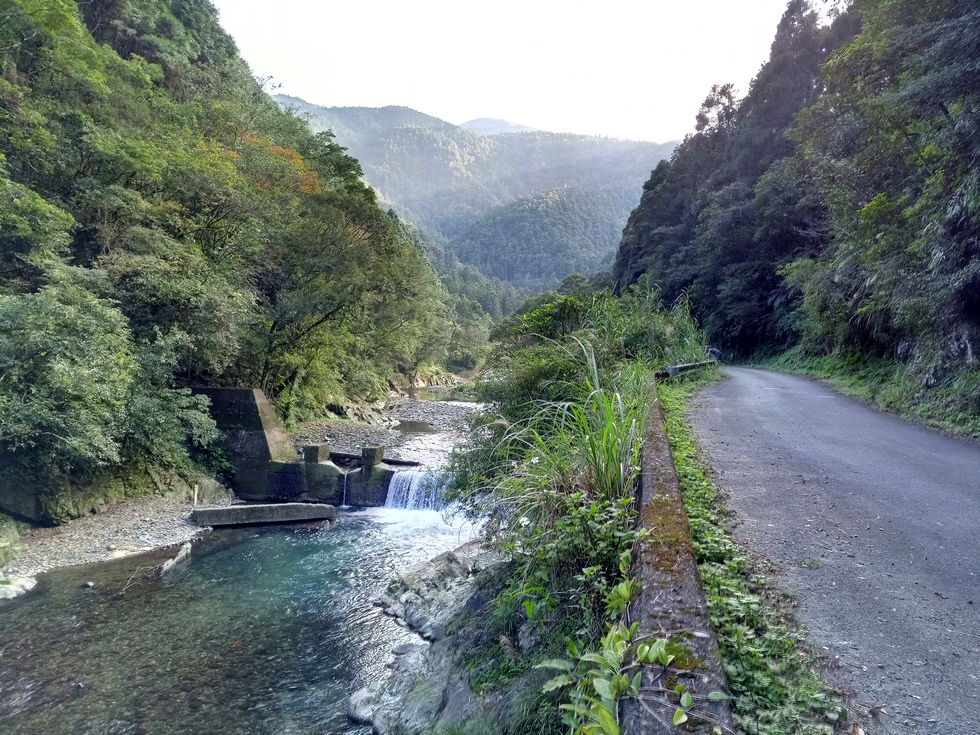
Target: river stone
(427, 689)
(11, 587)
(389, 607)
(361, 704)
(429, 596)
(410, 657)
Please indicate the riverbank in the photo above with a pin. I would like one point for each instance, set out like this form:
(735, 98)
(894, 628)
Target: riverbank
(130, 527)
(145, 523)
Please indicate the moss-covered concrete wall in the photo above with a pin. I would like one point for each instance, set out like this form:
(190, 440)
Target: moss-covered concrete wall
(671, 599)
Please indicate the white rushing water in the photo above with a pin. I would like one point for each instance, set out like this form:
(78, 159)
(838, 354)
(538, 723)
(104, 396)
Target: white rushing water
(417, 490)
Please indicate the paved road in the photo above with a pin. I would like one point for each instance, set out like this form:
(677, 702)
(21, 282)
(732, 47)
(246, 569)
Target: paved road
(874, 523)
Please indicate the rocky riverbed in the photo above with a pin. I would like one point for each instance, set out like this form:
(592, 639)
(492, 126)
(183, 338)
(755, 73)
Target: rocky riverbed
(130, 527)
(429, 430)
(145, 523)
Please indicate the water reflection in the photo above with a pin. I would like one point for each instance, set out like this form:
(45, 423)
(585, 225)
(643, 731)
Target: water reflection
(408, 428)
(265, 631)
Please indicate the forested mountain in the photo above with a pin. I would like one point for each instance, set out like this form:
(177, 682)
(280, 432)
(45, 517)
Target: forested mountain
(493, 126)
(539, 239)
(453, 182)
(836, 206)
(163, 223)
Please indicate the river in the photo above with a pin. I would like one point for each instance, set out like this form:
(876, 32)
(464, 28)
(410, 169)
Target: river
(264, 631)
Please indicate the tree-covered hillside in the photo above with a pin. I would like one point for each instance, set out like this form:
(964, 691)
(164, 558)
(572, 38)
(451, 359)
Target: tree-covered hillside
(163, 223)
(452, 181)
(539, 239)
(835, 207)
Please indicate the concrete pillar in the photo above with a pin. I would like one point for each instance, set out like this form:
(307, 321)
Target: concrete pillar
(371, 456)
(316, 453)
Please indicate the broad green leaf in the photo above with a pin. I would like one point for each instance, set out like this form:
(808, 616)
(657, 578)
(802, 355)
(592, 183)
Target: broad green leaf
(606, 719)
(602, 688)
(556, 683)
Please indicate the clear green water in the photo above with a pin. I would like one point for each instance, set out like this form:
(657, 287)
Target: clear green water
(264, 631)
(438, 393)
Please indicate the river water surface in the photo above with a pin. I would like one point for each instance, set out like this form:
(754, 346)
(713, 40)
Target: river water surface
(265, 630)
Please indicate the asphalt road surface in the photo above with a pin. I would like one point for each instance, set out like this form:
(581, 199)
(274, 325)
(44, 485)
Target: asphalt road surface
(873, 523)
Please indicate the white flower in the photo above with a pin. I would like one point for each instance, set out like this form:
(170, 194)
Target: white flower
(524, 520)
(535, 460)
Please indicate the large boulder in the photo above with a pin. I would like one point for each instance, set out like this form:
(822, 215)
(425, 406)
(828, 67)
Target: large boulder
(427, 598)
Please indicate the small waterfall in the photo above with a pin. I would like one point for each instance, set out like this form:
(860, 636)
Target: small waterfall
(343, 502)
(417, 490)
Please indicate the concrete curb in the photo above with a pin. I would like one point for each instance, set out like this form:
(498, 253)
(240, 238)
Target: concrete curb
(672, 603)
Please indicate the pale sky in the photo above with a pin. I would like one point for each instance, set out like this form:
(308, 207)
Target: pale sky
(622, 68)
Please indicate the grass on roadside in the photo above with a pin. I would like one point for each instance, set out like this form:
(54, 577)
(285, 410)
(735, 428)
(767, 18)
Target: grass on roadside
(775, 690)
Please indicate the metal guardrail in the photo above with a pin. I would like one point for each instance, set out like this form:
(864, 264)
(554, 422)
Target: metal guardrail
(685, 367)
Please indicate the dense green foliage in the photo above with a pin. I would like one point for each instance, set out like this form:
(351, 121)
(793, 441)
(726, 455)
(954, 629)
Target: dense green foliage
(163, 223)
(729, 208)
(466, 283)
(528, 207)
(539, 239)
(552, 472)
(835, 207)
(774, 688)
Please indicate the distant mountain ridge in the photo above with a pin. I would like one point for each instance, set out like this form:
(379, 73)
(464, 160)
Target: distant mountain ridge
(494, 126)
(466, 188)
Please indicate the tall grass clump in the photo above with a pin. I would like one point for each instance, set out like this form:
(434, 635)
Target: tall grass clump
(550, 469)
(561, 506)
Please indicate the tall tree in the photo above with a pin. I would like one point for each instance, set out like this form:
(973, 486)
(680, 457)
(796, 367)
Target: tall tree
(729, 209)
(896, 146)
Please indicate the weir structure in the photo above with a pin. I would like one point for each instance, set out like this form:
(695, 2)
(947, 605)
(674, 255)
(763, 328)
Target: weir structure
(268, 468)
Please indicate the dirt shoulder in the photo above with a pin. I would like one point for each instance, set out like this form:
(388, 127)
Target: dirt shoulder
(870, 522)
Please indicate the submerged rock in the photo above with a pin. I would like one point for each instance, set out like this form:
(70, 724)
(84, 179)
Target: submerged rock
(361, 704)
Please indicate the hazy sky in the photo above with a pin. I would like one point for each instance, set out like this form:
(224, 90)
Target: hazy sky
(623, 68)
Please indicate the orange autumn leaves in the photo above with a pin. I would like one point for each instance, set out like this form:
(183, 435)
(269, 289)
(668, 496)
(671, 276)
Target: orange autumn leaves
(281, 168)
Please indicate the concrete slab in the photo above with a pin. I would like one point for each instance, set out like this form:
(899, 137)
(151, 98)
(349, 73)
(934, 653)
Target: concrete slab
(239, 515)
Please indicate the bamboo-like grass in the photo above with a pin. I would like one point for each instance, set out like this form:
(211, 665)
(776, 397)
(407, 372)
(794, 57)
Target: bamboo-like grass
(564, 508)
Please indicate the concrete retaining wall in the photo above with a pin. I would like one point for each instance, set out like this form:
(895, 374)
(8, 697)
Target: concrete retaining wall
(254, 437)
(268, 467)
(671, 602)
